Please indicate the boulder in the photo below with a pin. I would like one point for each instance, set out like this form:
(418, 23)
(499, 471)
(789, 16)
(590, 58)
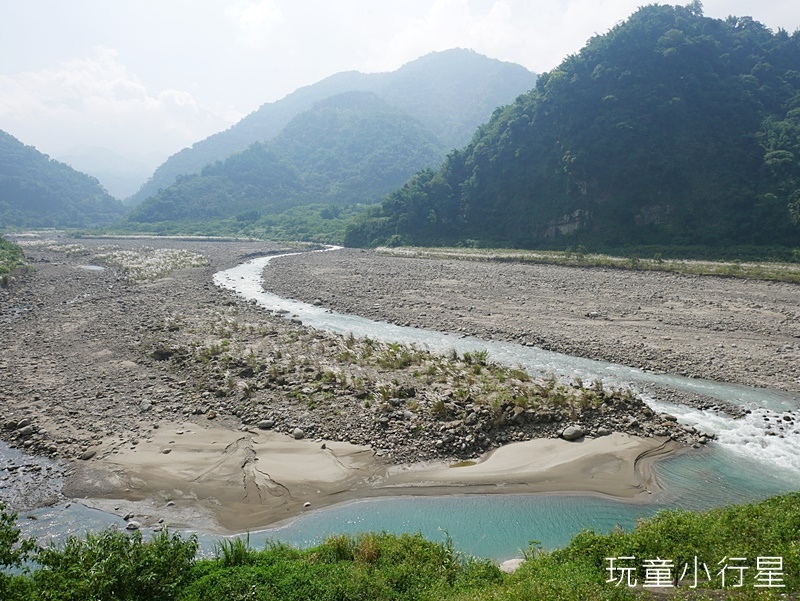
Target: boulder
(298, 434)
(572, 433)
(511, 565)
(266, 424)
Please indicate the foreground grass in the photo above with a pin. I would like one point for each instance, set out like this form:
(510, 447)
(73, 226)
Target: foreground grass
(11, 257)
(753, 270)
(755, 546)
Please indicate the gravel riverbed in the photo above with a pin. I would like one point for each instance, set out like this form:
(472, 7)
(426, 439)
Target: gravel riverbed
(98, 354)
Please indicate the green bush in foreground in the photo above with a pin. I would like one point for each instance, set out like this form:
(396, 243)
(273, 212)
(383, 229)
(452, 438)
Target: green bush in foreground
(769, 530)
(11, 257)
(370, 566)
(115, 565)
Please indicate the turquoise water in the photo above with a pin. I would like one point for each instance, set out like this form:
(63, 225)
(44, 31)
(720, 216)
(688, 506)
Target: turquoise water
(744, 465)
(500, 526)
(494, 526)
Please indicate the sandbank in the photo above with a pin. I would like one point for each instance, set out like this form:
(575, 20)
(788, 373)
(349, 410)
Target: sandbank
(227, 481)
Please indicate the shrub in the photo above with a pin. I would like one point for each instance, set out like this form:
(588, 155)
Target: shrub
(115, 565)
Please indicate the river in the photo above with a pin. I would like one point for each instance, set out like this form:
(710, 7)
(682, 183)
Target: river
(744, 464)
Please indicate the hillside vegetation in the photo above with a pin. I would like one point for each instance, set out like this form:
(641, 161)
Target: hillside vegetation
(743, 552)
(36, 191)
(671, 129)
(351, 148)
(450, 93)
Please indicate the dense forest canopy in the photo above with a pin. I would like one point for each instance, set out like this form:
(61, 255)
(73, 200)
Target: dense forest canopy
(36, 191)
(449, 92)
(351, 148)
(672, 129)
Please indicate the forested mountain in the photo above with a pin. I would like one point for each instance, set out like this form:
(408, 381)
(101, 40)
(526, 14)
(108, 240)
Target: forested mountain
(672, 128)
(350, 148)
(36, 191)
(450, 92)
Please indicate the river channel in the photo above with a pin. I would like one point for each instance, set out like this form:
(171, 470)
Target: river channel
(743, 464)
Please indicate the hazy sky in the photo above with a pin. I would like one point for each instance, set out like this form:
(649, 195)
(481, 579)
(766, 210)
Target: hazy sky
(153, 76)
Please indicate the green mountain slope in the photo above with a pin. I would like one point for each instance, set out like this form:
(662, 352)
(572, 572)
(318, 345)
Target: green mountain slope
(450, 92)
(36, 191)
(350, 148)
(673, 128)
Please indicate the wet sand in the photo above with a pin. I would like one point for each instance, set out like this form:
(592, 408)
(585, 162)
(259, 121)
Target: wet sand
(224, 481)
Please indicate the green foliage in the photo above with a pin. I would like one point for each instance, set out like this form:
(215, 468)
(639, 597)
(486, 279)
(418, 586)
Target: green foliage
(351, 148)
(11, 257)
(437, 90)
(37, 191)
(671, 129)
(13, 552)
(379, 566)
(767, 529)
(234, 552)
(115, 565)
(324, 224)
(367, 566)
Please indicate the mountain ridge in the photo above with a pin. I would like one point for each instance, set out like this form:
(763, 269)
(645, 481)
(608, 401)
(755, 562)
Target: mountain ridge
(37, 191)
(267, 121)
(672, 129)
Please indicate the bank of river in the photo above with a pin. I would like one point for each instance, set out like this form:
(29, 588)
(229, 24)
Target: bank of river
(729, 470)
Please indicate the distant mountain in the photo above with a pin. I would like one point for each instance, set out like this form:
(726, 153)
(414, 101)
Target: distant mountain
(120, 175)
(36, 191)
(353, 147)
(671, 129)
(450, 92)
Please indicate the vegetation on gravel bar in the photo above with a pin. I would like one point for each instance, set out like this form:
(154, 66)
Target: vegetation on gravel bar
(11, 257)
(580, 257)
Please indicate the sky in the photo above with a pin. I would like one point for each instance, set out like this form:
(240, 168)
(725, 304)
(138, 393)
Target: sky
(144, 78)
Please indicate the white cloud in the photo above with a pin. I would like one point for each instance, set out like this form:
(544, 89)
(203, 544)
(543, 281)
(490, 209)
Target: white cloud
(255, 21)
(96, 101)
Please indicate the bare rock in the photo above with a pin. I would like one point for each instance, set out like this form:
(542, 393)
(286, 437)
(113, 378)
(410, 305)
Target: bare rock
(572, 433)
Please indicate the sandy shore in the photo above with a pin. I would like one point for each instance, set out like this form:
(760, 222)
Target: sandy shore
(104, 373)
(219, 480)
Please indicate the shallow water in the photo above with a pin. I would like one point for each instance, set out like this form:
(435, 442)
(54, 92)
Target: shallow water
(744, 465)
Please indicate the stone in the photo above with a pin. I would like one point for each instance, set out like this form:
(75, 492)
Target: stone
(133, 525)
(603, 432)
(26, 431)
(266, 424)
(572, 433)
(298, 434)
(511, 565)
(86, 455)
